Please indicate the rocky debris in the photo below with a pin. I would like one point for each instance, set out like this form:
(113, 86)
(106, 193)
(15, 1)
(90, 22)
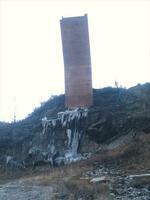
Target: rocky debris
(136, 176)
(121, 186)
(99, 179)
(9, 162)
(37, 157)
(118, 186)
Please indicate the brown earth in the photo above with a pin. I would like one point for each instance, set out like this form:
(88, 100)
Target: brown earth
(130, 156)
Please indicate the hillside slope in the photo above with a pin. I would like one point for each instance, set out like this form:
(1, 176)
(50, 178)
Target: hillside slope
(115, 112)
(114, 139)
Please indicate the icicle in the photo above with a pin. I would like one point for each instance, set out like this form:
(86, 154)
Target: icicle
(64, 124)
(71, 122)
(75, 143)
(53, 123)
(69, 136)
(44, 123)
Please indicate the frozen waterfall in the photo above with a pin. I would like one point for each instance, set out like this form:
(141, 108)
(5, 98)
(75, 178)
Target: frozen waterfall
(72, 122)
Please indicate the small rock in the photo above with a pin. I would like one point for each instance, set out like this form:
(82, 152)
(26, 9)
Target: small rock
(84, 178)
(99, 179)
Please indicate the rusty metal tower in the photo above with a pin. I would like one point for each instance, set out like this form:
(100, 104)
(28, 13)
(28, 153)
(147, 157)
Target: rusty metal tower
(77, 61)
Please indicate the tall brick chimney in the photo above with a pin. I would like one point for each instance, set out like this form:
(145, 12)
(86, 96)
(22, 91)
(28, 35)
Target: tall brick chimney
(77, 61)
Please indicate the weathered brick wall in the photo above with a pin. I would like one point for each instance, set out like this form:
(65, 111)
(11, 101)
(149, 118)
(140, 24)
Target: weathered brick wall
(77, 61)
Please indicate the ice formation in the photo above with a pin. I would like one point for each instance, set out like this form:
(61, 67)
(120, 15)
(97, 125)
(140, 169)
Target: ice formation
(72, 122)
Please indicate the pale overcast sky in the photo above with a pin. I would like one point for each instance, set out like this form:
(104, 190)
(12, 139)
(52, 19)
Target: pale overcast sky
(31, 53)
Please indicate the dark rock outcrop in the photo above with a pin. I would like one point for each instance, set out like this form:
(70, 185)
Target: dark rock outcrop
(115, 112)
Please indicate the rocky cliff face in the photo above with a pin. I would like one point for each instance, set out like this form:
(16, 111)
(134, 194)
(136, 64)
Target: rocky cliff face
(59, 140)
(54, 135)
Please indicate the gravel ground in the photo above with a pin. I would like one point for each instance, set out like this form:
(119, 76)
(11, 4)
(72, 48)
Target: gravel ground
(16, 190)
(120, 187)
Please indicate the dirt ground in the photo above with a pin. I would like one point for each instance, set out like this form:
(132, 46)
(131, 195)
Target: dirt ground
(110, 168)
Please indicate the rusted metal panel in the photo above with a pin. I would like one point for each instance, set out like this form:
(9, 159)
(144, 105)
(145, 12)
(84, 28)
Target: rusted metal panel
(77, 61)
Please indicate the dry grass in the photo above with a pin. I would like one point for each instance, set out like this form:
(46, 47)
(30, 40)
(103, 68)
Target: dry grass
(131, 158)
